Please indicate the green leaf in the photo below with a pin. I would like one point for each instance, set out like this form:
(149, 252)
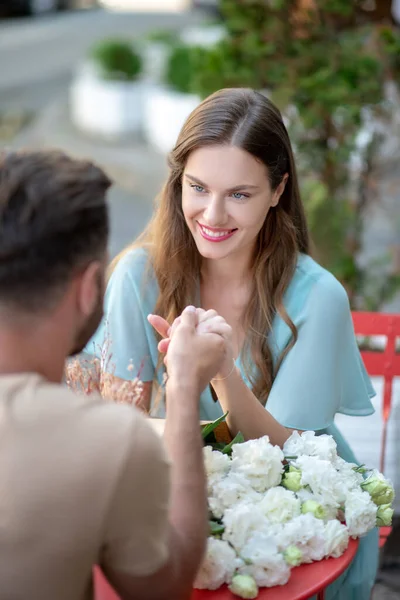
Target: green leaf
(361, 469)
(238, 439)
(220, 446)
(209, 428)
(215, 527)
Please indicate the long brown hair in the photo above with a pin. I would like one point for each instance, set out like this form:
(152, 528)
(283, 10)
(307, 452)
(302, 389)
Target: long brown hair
(246, 119)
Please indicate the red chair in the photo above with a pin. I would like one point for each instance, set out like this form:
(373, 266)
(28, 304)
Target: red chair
(102, 589)
(384, 364)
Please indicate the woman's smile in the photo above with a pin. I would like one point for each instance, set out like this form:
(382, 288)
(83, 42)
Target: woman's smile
(215, 234)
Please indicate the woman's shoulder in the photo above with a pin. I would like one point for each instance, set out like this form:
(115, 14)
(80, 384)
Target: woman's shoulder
(321, 281)
(132, 260)
(133, 264)
(133, 272)
(313, 282)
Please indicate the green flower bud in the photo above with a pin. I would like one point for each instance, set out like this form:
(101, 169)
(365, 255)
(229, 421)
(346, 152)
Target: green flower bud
(292, 480)
(293, 556)
(384, 515)
(244, 586)
(379, 488)
(313, 507)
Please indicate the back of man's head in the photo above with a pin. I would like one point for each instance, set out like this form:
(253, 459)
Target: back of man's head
(53, 223)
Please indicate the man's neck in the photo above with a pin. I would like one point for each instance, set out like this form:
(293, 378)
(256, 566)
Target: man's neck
(31, 348)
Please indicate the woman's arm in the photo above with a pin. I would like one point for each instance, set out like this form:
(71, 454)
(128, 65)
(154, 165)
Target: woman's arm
(245, 413)
(321, 375)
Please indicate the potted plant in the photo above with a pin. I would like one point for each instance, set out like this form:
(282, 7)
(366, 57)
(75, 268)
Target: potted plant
(167, 105)
(106, 94)
(156, 48)
(157, 45)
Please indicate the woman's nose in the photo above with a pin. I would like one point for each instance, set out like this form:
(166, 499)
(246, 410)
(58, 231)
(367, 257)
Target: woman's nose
(215, 213)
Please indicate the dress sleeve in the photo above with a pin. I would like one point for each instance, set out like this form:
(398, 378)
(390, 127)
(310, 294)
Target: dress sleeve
(125, 340)
(323, 373)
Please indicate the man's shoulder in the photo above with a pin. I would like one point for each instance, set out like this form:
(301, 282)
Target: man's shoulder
(108, 432)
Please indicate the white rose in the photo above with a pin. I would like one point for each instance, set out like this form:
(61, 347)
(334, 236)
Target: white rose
(360, 513)
(322, 479)
(336, 538)
(307, 533)
(280, 505)
(260, 462)
(349, 478)
(218, 566)
(241, 521)
(268, 566)
(309, 444)
(229, 491)
(216, 465)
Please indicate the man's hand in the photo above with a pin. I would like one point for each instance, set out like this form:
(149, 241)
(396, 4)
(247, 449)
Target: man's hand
(195, 356)
(208, 322)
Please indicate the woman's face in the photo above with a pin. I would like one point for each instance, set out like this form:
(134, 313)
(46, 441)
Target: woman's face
(226, 196)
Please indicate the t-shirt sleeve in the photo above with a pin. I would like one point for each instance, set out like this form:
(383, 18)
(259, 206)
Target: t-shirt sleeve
(136, 538)
(125, 341)
(323, 373)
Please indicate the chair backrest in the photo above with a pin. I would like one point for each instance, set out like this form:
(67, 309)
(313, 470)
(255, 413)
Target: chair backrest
(385, 364)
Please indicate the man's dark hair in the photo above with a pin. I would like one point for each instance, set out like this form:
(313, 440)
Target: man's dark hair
(53, 222)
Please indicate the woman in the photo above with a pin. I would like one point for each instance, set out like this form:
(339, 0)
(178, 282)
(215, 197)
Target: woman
(230, 235)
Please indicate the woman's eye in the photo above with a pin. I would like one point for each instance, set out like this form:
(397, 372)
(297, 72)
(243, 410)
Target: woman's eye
(239, 196)
(197, 188)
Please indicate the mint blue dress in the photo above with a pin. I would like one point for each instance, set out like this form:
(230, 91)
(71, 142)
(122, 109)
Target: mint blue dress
(322, 375)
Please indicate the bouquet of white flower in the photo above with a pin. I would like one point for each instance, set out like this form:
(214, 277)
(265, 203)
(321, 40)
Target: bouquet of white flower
(271, 510)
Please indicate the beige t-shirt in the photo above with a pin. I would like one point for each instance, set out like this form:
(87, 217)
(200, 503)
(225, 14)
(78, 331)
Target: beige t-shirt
(82, 482)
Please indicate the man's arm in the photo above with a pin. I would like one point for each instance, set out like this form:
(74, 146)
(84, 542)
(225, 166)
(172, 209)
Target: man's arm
(187, 530)
(192, 361)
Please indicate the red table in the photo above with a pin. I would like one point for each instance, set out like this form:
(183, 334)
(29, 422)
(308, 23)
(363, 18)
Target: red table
(305, 581)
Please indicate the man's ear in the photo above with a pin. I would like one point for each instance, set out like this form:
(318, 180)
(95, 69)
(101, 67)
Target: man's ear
(88, 287)
(279, 190)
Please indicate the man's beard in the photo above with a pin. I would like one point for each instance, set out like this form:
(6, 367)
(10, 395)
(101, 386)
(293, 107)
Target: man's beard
(90, 327)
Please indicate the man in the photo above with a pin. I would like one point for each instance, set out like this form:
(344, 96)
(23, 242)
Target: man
(84, 481)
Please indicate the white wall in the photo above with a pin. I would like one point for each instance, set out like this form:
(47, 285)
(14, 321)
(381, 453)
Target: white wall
(364, 435)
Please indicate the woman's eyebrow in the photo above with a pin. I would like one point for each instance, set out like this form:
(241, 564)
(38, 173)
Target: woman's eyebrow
(243, 186)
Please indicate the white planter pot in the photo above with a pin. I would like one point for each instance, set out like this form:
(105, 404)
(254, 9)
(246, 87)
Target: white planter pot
(146, 5)
(106, 108)
(165, 112)
(155, 56)
(205, 36)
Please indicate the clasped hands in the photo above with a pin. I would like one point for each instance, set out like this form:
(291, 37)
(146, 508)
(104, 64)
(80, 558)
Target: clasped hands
(198, 340)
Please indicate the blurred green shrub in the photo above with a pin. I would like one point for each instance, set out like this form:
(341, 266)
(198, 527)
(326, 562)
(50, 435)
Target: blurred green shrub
(117, 60)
